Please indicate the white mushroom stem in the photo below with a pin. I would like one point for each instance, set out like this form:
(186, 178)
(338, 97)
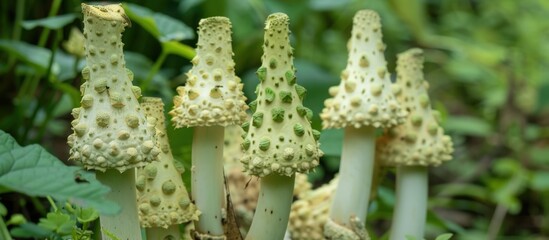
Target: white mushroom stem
(355, 173)
(410, 211)
(207, 179)
(171, 232)
(124, 225)
(273, 210)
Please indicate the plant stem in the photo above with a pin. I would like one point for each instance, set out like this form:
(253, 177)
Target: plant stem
(273, 208)
(497, 221)
(125, 225)
(171, 232)
(52, 203)
(355, 173)
(46, 32)
(154, 70)
(19, 12)
(410, 211)
(4, 232)
(207, 178)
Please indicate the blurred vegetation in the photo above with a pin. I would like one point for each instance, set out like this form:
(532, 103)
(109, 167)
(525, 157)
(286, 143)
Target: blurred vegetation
(486, 63)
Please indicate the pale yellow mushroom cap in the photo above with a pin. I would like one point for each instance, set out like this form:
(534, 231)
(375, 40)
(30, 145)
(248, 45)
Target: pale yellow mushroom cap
(420, 141)
(111, 12)
(311, 211)
(110, 131)
(213, 93)
(364, 96)
(279, 138)
(75, 44)
(162, 199)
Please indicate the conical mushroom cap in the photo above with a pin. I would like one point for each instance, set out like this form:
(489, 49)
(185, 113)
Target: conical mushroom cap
(364, 96)
(420, 141)
(213, 93)
(110, 131)
(279, 137)
(162, 199)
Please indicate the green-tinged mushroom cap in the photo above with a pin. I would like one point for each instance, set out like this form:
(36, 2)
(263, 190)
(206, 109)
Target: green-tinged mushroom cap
(213, 93)
(279, 138)
(364, 96)
(162, 199)
(110, 131)
(420, 141)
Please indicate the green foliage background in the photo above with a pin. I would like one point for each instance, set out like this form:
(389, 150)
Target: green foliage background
(486, 64)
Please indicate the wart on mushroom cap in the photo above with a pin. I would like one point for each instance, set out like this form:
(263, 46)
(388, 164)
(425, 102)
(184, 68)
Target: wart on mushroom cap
(311, 211)
(213, 93)
(109, 129)
(363, 97)
(161, 195)
(279, 137)
(420, 141)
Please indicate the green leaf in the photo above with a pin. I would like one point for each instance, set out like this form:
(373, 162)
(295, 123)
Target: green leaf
(323, 5)
(55, 22)
(85, 215)
(463, 189)
(162, 27)
(30, 230)
(109, 234)
(511, 181)
(188, 4)
(16, 219)
(172, 29)
(539, 155)
(3, 210)
(65, 63)
(540, 181)
(412, 13)
(36, 56)
(141, 66)
(177, 48)
(468, 125)
(33, 171)
(445, 236)
(58, 222)
(7, 142)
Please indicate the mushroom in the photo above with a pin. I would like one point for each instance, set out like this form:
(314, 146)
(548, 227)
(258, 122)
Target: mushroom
(311, 211)
(111, 134)
(162, 199)
(243, 190)
(279, 140)
(362, 102)
(211, 100)
(413, 146)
